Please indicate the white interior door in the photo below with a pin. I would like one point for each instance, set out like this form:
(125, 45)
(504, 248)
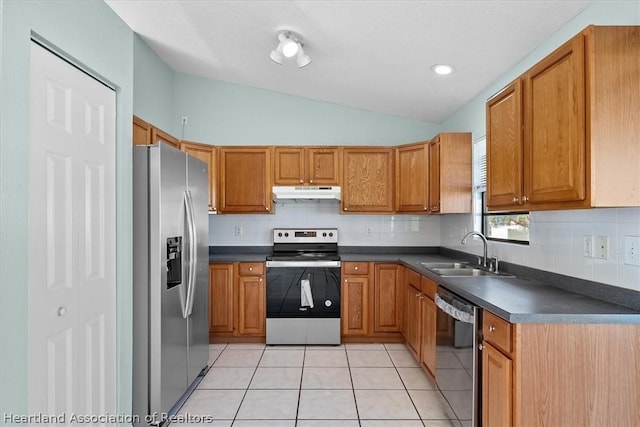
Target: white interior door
(72, 287)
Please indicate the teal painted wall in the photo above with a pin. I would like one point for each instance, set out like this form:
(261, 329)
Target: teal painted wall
(91, 34)
(222, 113)
(152, 87)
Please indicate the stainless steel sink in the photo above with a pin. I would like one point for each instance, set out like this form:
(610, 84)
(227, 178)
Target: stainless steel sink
(461, 272)
(447, 265)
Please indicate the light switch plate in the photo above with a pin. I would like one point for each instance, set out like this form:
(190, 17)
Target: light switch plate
(632, 250)
(587, 246)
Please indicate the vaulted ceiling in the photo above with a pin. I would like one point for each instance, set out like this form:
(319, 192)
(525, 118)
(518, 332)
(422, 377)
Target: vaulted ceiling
(373, 55)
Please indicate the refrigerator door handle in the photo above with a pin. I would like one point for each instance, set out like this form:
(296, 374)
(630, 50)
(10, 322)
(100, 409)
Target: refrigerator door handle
(191, 270)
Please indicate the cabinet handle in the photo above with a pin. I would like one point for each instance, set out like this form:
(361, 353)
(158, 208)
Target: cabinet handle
(492, 328)
(525, 199)
(417, 295)
(515, 200)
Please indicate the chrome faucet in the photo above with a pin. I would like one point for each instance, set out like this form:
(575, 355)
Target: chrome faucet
(484, 241)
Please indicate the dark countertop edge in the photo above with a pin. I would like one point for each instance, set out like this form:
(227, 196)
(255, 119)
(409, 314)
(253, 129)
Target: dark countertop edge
(240, 250)
(613, 294)
(388, 250)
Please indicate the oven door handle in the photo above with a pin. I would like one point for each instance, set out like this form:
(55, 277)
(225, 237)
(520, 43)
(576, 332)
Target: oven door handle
(303, 264)
(452, 311)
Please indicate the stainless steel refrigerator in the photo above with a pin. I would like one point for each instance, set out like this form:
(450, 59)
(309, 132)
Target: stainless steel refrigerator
(170, 278)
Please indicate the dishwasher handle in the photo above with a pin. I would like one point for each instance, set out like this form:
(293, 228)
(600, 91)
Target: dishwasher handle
(457, 313)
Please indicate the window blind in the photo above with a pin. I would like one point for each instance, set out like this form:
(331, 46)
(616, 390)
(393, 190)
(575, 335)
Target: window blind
(480, 165)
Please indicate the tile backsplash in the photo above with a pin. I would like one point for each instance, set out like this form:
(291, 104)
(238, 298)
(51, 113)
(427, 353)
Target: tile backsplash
(557, 240)
(354, 230)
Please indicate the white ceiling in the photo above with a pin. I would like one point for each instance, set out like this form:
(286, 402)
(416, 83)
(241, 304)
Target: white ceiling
(373, 55)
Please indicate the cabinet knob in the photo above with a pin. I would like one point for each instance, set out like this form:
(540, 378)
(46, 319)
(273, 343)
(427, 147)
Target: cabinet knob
(356, 268)
(267, 209)
(345, 209)
(515, 200)
(425, 208)
(492, 328)
(301, 181)
(250, 268)
(525, 199)
(310, 181)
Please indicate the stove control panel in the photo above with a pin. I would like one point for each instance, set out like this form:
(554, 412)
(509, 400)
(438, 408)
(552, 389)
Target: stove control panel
(305, 235)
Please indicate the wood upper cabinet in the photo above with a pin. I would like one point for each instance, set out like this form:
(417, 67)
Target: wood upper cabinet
(450, 173)
(147, 134)
(207, 154)
(251, 299)
(244, 179)
(505, 147)
(412, 177)
(141, 132)
(306, 166)
(368, 180)
(387, 314)
(571, 112)
(221, 301)
(355, 303)
(433, 204)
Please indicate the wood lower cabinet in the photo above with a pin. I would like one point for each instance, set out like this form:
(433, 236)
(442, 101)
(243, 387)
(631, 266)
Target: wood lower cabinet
(207, 154)
(368, 180)
(306, 166)
(237, 301)
(244, 179)
(355, 302)
(387, 313)
(251, 299)
(428, 338)
(558, 136)
(553, 374)
(221, 301)
(412, 326)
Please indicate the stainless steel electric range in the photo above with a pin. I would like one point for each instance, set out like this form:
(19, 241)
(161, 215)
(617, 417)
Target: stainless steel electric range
(303, 287)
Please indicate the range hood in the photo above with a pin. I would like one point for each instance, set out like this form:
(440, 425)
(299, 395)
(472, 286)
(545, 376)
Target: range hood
(306, 193)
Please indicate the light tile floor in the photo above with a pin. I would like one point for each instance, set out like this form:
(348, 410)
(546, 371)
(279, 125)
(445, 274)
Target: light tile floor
(351, 385)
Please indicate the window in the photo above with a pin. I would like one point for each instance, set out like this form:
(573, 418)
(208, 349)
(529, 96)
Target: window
(510, 227)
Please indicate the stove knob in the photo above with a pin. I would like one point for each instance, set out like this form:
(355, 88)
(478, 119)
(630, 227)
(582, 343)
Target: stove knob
(279, 234)
(330, 234)
(286, 234)
(324, 234)
(327, 303)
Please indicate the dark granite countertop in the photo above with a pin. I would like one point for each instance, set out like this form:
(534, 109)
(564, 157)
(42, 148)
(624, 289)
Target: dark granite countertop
(530, 298)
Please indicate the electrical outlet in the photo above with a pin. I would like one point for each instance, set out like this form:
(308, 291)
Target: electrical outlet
(601, 247)
(238, 231)
(587, 246)
(368, 231)
(632, 250)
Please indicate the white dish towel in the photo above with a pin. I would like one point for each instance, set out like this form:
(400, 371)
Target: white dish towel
(306, 299)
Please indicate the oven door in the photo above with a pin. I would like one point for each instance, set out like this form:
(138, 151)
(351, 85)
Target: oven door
(303, 289)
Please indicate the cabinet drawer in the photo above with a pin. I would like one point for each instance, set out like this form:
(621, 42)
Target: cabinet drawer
(497, 331)
(355, 268)
(251, 268)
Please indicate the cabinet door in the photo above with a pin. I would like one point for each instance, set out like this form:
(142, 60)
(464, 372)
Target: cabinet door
(428, 354)
(497, 379)
(434, 176)
(251, 305)
(504, 147)
(221, 297)
(367, 180)
(555, 136)
(412, 178)
(355, 305)
(158, 135)
(323, 165)
(288, 166)
(414, 315)
(207, 154)
(141, 132)
(244, 178)
(387, 315)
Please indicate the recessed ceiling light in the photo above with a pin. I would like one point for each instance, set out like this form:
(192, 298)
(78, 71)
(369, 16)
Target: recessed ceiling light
(442, 69)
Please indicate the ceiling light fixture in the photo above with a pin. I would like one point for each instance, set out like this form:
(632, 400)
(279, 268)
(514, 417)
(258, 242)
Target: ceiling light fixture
(442, 69)
(290, 45)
